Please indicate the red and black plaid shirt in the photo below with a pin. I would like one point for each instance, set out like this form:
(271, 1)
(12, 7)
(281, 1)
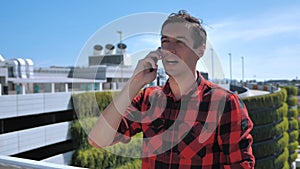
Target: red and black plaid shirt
(207, 128)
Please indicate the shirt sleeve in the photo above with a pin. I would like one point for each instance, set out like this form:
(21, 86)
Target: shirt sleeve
(130, 123)
(234, 135)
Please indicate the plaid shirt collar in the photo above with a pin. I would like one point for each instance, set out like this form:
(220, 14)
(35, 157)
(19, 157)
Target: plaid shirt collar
(200, 82)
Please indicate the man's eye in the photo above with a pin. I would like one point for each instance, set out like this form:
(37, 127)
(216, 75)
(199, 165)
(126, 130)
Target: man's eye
(163, 41)
(180, 42)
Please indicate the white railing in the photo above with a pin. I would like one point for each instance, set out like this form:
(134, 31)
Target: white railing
(29, 104)
(25, 140)
(19, 163)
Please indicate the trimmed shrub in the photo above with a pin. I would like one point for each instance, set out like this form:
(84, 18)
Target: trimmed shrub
(85, 104)
(274, 162)
(294, 135)
(90, 157)
(281, 160)
(265, 101)
(291, 90)
(293, 125)
(271, 140)
(80, 130)
(269, 131)
(136, 164)
(104, 99)
(293, 156)
(293, 122)
(93, 158)
(292, 101)
(271, 147)
(293, 146)
(265, 116)
(293, 113)
(91, 104)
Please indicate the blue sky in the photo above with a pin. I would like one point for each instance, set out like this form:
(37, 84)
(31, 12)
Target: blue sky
(54, 32)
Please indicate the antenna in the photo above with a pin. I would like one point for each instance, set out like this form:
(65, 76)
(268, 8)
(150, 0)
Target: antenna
(120, 32)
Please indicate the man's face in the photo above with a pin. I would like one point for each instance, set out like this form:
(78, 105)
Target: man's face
(176, 39)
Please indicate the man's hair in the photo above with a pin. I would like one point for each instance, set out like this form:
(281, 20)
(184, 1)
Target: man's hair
(197, 31)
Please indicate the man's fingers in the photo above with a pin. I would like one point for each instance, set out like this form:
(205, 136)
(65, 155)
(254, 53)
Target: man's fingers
(155, 55)
(151, 64)
(147, 64)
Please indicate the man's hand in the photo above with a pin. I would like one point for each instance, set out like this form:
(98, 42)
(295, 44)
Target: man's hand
(146, 69)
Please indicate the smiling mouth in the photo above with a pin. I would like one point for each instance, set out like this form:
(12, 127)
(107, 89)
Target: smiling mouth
(172, 61)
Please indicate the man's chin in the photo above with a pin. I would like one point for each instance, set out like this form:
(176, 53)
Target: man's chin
(172, 73)
(178, 73)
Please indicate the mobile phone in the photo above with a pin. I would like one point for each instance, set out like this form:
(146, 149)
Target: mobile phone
(155, 60)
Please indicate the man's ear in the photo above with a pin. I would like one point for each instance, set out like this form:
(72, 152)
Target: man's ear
(201, 50)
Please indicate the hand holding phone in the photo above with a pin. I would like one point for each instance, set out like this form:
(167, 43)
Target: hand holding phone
(156, 58)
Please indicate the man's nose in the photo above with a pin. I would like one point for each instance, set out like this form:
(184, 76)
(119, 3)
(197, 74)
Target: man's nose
(170, 48)
(173, 51)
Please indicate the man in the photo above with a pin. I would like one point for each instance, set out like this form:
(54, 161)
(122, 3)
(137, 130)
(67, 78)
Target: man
(187, 123)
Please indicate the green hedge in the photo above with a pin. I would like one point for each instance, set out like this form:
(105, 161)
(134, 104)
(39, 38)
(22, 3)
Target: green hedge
(292, 101)
(298, 109)
(270, 148)
(91, 104)
(293, 125)
(293, 113)
(93, 158)
(88, 156)
(264, 111)
(294, 135)
(261, 133)
(263, 116)
(85, 105)
(265, 101)
(291, 90)
(79, 130)
(274, 162)
(136, 164)
(101, 158)
(293, 146)
(293, 122)
(293, 156)
(281, 161)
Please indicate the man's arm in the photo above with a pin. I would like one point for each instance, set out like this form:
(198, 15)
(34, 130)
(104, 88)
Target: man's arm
(234, 135)
(105, 129)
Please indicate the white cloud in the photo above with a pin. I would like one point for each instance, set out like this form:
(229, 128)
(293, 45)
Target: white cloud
(256, 27)
(269, 42)
(146, 42)
(151, 40)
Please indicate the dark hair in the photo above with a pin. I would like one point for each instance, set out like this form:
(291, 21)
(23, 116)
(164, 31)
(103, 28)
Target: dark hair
(197, 30)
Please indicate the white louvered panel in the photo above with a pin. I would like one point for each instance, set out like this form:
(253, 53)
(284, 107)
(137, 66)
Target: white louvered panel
(30, 104)
(9, 143)
(57, 102)
(8, 106)
(32, 138)
(57, 132)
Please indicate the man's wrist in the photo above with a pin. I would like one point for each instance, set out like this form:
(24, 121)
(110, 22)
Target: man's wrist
(135, 84)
